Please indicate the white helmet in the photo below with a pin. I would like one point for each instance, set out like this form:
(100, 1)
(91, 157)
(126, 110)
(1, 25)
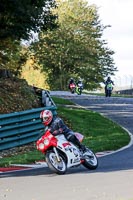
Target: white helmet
(46, 116)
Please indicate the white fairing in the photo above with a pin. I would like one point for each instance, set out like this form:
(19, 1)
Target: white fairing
(71, 151)
(80, 84)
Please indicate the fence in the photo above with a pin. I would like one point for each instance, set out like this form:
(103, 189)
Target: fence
(125, 92)
(23, 127)
(44, 96)
(46, 99)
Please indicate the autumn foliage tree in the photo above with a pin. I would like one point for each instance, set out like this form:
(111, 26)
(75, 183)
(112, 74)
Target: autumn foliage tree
(75, 48)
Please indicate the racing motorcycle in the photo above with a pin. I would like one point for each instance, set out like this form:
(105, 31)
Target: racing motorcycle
(108, 90)
(79, 88)
(60, 154)
(72, 87)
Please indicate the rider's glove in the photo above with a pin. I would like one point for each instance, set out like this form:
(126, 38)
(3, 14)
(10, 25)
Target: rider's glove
(60, 130)
(55, 132)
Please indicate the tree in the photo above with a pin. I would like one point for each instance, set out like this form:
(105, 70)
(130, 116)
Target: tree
(12, 58)
(76, 48)
(19, 17)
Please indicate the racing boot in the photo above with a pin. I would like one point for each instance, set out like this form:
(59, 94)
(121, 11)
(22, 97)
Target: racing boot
(74, 140)
(82, 148)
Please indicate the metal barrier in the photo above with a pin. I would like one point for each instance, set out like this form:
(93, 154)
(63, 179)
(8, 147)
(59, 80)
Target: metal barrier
(46, 99)
(125, 92)
(44, 96)
(20, 128)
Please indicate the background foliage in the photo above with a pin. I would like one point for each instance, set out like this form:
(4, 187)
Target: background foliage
(69, 43)
(19, 19)
(76, 48)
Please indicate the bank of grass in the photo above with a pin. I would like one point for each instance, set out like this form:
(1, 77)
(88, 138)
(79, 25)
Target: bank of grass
(101, 134)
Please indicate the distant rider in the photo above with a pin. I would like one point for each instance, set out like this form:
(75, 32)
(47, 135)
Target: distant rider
(71, 82)
(108, 86)
(80, 84)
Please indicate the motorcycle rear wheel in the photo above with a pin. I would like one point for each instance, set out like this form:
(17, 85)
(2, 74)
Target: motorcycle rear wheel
(59, 167)
(73, 91)
(90, 159)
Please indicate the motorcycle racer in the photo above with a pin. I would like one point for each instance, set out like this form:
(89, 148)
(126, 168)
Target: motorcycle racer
(72, 86)
(108, 87)
(79, 86)
(57, 126)
(71, 81)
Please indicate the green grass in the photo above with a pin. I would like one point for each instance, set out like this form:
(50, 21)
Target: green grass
(61, 101)
(25, 158)
(100, 133)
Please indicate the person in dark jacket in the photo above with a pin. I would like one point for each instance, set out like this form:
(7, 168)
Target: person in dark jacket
(57, 126)
(79, 86)
(71, 81)
(108, 87)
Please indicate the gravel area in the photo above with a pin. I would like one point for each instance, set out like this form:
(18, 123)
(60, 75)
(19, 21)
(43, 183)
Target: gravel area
(17, 150)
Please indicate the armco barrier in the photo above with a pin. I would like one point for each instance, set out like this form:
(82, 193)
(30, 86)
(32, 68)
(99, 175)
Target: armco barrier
(20, 128)
(125, 92)
(46, 98)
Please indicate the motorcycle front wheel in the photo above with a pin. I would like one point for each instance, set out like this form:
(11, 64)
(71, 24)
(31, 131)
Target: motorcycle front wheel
(80, 91)
(90, 160)
(59, 167)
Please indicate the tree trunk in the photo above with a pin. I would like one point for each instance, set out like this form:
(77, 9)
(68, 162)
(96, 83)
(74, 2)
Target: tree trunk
(5, 73)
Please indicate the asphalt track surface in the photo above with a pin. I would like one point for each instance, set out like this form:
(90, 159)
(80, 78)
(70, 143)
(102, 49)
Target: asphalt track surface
(119, 110)
(112, 180)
